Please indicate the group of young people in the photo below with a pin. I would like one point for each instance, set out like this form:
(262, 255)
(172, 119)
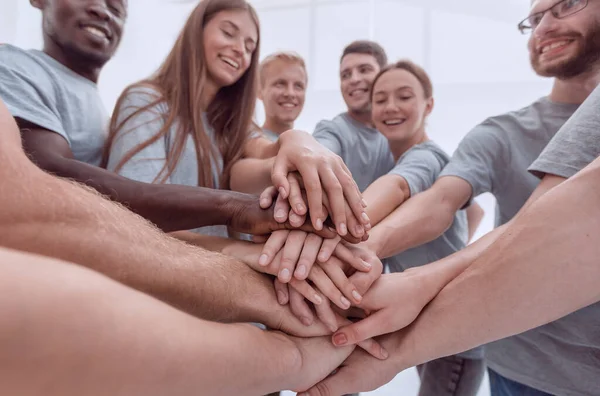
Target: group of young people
(126, 239)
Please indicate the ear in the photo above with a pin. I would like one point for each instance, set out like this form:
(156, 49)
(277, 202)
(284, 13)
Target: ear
(39, 4)
(429, 106)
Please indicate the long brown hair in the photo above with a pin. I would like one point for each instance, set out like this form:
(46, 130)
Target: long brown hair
(180, 82)
(412, 68)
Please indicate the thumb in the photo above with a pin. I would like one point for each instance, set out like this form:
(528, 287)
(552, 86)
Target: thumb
(371, 326)
(279, 175)
(338, 384)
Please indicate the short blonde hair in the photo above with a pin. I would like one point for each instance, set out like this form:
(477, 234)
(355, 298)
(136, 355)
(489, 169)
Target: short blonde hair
(286, 56)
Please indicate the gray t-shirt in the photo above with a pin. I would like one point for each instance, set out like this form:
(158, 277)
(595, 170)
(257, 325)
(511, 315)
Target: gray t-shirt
(365, 151)
(494, 157)
(566, 352)
(420, 166)
(146, 165)
(44, 92)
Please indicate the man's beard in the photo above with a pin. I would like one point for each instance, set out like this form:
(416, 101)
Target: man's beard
(587, 56)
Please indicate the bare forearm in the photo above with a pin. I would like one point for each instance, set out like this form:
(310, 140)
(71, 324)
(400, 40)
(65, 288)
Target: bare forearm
(532, 275)
(384, 195)
(475, 214)
(57, 315)
(171, 207)
(251, 175)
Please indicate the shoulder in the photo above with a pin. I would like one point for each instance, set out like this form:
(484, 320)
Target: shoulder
(19, 60)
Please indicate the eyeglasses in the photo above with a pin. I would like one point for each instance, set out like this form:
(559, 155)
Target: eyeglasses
(560, 10)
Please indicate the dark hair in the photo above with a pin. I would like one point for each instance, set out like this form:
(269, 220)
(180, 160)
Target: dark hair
(413, 69)
(369, 48)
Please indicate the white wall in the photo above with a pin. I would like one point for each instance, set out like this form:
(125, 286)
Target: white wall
(476, 57)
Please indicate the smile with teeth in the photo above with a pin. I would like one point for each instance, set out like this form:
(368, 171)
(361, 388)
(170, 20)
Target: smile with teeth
(230, 62)
(288, 105)
(359, 91)
(393, 122)
(557, 44)
(96, 32)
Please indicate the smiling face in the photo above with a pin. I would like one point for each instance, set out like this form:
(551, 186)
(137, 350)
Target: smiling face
(87, 30)
(400, 106)
(230, 39)
(357, 72)
(566, 47)
(283, 91)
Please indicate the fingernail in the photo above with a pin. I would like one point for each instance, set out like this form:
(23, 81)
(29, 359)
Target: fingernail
(299, 208)
(345, 302)
(365, 217)
(282, 191)
(280, 214)
(356, 296)
(364, 203)
(340, 339)
(359, 231)
(306, 321)
(318, 299)
(384, 353)
(368, 226)
(343, 229)
(284, 275)
(319, 226)
(301, 271)
(366, 264)
(333, 328)
(263, 259)
(281, 297)
(264, 202)
(322, 257)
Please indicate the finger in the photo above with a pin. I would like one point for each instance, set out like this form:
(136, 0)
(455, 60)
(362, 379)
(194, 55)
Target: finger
(260, 238)
(295, 199)
(267, 197)
(327, 287)
(348, 256)
(335, 195)
(374, 349)
(282, 292)
(352, 196)
(327, 248)
(312, 244)
(273, 245)
(300, 308)
(296, 220)
(307, 291)
(281, 169)
(372, 326)
(281, 209)
(349, 237)
(333, 269)
(326, 315)
(314, 196)
(343, 382)
(291, 255)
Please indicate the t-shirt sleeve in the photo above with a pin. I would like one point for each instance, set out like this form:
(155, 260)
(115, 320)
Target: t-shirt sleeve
(420, 168)
(328, 135)
(27, 90)
(575, 145)
(479, 155)
(147, 164)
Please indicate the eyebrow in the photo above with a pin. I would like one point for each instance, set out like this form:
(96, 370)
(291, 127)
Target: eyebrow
(236, 27)
(357, 66)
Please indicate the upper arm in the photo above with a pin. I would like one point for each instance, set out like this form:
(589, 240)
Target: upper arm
(260, 147)
(135, 130)
(325, 133)
(547, 184)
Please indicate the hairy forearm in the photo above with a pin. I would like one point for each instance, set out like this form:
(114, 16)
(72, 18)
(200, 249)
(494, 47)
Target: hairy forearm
(251, 175)
(419, 220)
(57, 315)
(171, 207)
(532, 275)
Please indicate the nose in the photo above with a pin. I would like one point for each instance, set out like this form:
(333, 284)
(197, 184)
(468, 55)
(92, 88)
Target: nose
(354, 77)
(547, 25)
(289, 91)
(99, 10)
(390, 106)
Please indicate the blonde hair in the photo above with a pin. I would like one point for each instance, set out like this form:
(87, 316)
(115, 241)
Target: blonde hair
(286, 56)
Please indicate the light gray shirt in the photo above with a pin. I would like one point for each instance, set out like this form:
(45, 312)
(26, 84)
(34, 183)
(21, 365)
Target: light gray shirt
(566, 352)
(494, 157)
(146, 165)
(38, 89)
(365, 151)
(420, 166)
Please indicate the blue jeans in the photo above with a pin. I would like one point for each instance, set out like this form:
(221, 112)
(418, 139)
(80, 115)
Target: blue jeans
(501, 386)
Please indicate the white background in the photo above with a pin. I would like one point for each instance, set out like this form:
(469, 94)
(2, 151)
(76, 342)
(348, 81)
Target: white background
(475, 55)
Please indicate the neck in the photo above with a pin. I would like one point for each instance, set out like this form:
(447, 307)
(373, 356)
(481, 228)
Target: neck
(575, 90)
(209, 91)
(402, 146)
(277, 126)
(363, 117)
(83, 67)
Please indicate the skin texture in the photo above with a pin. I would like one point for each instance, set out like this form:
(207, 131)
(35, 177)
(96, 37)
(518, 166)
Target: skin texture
(357, 72)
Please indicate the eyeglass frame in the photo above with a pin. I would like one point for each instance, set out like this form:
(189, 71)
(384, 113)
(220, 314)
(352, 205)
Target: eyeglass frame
(523, 29)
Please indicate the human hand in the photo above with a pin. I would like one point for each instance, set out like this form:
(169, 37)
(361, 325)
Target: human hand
(322, 172)
(361, 372)
(393, 303)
